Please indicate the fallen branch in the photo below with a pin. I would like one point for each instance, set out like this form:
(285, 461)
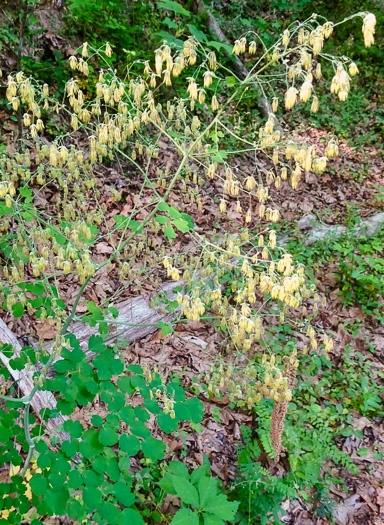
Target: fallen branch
(238, 67)
(42, 400)
(136, 320)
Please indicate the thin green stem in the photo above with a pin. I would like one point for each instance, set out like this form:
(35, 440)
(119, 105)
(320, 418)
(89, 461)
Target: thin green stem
(28, 438)
(21, 400)
(73, 311)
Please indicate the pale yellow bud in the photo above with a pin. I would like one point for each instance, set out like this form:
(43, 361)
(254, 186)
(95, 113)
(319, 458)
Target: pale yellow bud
(15, 103)
(315, 104)
(290, 97)
(108, 50)
(66, 267)
(305, 91)
(318, 45)
(250, 182)
(353, 70)
(167, 78)
(319, 164)
(327, 29)
(73, 62)
(285, 37)
(192, 88)
(332, 149)
(26, 119)
(275, 156)
(369, 24)
(269, 125)
(237, 47)
(252, 47)
(212, 60)
(214, 103)
(306, 59)
(208, 75)
(300, 35)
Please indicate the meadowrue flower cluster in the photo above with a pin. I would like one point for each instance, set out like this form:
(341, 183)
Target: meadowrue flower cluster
(247, 385)
(369, 24)
(310, 37)
(262, 272)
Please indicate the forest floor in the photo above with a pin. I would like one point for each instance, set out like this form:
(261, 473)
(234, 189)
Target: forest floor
(350, 378)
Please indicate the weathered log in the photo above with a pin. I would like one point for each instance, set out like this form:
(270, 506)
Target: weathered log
(136, 320)
(24, 379)
(238, 67)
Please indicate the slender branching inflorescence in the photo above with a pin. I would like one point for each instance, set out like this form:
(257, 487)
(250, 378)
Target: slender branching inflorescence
(135, 118)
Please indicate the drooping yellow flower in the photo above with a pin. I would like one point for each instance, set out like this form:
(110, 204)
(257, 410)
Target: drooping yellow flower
(208, 75)
(290, 97)
(315, 104)
(305, 91)
(285, 37)
(108, 50)
(327, 29)
(214, 103)
(353, 69)
(319, 164)
(369, 24)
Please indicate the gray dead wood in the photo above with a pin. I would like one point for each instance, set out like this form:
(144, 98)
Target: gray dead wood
(24, 379)
(321, 231)
(138, 320)
(237, 65)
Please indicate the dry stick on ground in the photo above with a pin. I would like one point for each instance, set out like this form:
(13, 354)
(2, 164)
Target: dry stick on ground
(24, 379)
(238, 67)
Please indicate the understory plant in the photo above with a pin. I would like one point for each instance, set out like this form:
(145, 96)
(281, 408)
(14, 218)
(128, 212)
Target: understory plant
(56, 195)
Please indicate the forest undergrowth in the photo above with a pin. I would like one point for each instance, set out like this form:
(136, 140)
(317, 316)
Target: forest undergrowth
(203, 371)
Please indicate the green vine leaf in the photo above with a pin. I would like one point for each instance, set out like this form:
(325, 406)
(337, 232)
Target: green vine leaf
(153, 448)
(185, 517)
(108, 436)
(170, 5)
(169, 232)
(186, 491)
